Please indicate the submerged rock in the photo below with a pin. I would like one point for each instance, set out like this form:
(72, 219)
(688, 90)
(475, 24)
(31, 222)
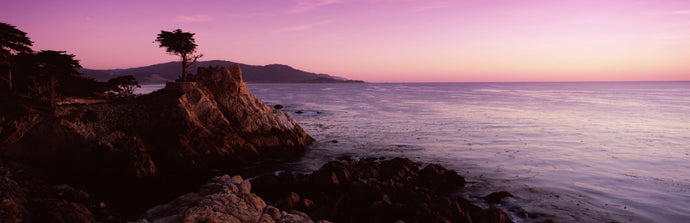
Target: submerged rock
(496, 197)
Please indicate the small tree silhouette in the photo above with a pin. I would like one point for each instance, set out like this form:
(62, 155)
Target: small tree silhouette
(181, 44)
(12, 42)
(124, 85)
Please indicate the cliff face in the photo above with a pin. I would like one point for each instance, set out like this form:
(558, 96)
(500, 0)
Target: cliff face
(261, 126)
(188, 126)
(154, 147)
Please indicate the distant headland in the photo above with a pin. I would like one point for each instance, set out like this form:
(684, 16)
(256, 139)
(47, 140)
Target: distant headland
(167, 72)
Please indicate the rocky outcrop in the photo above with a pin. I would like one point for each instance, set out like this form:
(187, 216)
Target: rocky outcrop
(158, 145)
(223, 199)
(265, 128)
(188, 126)
(373, 190)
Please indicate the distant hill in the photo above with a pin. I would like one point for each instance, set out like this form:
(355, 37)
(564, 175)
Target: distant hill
(166, 72)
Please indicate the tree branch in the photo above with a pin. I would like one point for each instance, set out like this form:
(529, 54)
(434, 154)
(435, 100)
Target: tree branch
(195, 58)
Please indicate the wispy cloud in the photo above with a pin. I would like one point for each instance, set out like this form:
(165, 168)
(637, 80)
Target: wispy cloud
(309, 5)
(251, 14)
(193, 18)
(673, 36)
(302, 27)
(667, 12)
(680, 12)
(435, 5)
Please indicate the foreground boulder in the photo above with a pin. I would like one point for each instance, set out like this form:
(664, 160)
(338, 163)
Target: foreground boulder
(223, 199)
(373, 190)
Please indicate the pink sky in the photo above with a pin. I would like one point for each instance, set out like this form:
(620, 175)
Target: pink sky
(381, 40)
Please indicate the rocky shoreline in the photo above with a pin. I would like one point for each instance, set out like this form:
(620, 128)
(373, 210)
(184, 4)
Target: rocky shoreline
(346, 190)
(375, 190)
(163, 157)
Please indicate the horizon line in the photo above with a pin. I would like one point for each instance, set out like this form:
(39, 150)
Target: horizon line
(474, 82)
(394, 82)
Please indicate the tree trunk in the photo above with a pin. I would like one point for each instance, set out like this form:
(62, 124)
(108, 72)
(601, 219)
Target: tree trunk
(184, 67)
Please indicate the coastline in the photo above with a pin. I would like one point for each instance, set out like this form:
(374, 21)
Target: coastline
(122, 171)
(113, 161)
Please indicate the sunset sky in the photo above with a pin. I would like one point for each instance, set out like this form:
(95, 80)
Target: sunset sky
(381, 40)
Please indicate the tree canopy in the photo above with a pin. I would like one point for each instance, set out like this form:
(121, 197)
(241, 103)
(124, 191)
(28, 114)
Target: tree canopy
(12, 41)
(181, 44)
(57, 63)
(44, 71)
(43, 75)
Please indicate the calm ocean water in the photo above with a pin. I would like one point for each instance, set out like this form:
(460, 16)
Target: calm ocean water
(572, 152)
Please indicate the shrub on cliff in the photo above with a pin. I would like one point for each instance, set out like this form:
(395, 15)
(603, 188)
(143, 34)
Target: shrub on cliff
(123, 86)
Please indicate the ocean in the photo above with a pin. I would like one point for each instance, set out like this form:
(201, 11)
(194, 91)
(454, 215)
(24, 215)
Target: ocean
(571, 152)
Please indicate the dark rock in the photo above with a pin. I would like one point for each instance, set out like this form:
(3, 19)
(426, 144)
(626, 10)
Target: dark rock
(26, 198)
(245, 187)
(334, 141)
(278, 106)
(373, 190)
(439, 178)
(57, 210)
(399, 169)
(13, 203)
(333, 174)
(273, 212)
(307, 204)
(299, 112)
(494, 214)
(496, 197)
(290, 201)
